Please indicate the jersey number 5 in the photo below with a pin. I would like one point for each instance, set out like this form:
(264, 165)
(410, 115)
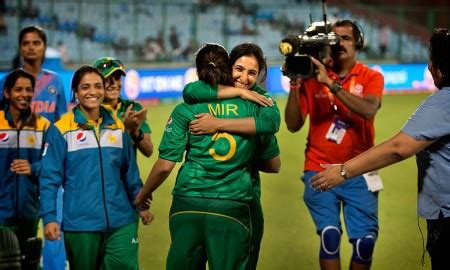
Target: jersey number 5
(230, 153)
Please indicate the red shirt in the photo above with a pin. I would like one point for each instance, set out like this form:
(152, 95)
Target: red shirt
(317, 101)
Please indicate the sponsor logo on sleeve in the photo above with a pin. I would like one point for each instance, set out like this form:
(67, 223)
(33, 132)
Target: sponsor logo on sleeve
(52, 90)
(45, 149)
(168, 127)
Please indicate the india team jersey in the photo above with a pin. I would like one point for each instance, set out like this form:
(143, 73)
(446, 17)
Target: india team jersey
(215, 166)
(48, 99)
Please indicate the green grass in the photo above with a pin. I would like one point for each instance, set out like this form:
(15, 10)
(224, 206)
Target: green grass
(289, 240)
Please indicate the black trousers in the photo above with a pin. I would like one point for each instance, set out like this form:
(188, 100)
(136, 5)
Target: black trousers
(438, 242)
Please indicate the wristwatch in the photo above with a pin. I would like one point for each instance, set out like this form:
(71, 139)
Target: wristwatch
(137, 138)
(335, 87)
(343, 172)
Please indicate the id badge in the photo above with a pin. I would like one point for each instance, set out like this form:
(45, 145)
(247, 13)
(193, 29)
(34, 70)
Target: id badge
(337, 131)
(373, 181)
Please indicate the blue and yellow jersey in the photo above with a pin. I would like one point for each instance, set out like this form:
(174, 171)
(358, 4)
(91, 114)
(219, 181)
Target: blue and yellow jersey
(19, 194)
(48, 99)
(97, 169)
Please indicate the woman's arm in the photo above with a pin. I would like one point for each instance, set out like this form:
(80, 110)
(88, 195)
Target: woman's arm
(159, 173)
(199, 91)
(51, 178)
(272, 165)
(267, 121)
(268, 154)
(135, 121)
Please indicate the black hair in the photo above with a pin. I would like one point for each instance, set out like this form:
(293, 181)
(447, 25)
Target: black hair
(31, 29)
(11, 80)
(439, 49)
(79, 74)
(250, 49)
(213, 64)
(358, 34)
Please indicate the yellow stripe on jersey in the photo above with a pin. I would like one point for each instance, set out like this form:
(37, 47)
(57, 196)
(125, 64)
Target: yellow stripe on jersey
(212, 214)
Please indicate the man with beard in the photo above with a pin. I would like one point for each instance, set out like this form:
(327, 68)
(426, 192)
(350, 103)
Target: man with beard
(341, 101)
(49, 101)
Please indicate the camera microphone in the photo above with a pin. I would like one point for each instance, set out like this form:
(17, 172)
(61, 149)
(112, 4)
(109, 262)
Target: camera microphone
(289, 45)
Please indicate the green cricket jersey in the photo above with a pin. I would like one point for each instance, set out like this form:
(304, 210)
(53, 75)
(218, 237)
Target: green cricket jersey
(267, 121)
(268, 148)
(122, 108)
(215, 166)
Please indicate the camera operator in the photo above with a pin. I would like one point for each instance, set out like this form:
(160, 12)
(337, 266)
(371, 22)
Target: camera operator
(341, 101)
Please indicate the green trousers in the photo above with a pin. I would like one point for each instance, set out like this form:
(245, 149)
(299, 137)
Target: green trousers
(213, 230)
(115, 249)
(257, 219)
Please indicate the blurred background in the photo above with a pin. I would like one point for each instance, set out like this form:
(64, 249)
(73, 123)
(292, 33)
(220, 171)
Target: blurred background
(167, 32)
(156, 39)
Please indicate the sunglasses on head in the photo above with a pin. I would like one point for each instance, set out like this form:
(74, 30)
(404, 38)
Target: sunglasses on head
(109, 63)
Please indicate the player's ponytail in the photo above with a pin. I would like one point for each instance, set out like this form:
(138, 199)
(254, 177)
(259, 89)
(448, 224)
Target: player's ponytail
(213, 64)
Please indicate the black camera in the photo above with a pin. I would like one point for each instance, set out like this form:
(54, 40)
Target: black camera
(316, 42)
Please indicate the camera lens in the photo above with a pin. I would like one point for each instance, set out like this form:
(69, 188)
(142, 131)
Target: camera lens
(299, 66)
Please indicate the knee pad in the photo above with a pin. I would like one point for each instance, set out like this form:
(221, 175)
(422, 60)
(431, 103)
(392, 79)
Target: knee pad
(330, 240)
(363, 249)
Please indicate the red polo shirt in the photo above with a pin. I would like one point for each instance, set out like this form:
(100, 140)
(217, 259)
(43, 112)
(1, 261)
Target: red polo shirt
(317, 102)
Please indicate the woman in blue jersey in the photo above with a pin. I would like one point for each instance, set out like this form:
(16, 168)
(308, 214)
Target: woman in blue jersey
(90, 154)
(22, 136)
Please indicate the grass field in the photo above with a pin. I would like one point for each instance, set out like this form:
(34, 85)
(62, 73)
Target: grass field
(289, 240)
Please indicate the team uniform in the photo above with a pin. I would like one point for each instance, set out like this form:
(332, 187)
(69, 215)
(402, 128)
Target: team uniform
(428, 123)
(213, 188)
(267, 123)
(122, 108)
(49, 101)
(335, 136)
(19, 194)
(99, 174)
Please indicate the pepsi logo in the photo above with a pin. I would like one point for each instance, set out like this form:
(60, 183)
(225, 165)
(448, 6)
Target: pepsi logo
(4, 137)
(81, 137)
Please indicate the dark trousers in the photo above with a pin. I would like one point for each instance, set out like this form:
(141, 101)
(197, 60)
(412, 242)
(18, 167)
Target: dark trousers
(438, 242)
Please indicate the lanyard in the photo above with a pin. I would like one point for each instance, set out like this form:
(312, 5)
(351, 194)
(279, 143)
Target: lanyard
(331, 96)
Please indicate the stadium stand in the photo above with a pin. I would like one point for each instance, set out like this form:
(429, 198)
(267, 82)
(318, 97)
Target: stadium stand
(124, 29)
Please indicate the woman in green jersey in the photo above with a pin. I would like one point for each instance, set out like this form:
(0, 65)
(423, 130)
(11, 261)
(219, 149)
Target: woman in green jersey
(213, 191)
(249, 68)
